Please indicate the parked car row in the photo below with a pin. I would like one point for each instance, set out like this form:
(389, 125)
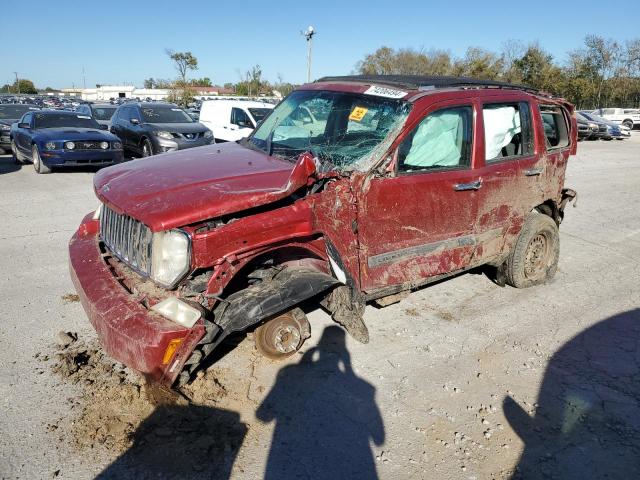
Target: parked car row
(594, 127)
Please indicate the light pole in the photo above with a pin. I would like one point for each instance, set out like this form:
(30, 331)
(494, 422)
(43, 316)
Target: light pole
(17, 82)
(308, 34)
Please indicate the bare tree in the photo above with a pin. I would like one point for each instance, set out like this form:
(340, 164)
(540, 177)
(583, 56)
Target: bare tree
(183, 61)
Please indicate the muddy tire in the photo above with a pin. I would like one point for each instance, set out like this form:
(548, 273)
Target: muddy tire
(534, 258)
(38, 166)
(283, 335)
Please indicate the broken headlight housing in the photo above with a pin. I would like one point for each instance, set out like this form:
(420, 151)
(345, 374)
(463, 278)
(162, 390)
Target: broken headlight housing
(170, 256)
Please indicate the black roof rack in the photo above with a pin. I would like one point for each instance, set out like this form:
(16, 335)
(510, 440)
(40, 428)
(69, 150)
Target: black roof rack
(424, 82)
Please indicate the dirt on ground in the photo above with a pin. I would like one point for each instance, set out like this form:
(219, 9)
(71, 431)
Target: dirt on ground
(113, 403)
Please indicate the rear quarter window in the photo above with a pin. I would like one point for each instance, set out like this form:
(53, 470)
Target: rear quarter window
(556, 130)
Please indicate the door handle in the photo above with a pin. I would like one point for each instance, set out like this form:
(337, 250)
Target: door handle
(532, 172)
(468, 186)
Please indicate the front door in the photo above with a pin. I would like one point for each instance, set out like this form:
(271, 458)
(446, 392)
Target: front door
(419, 223)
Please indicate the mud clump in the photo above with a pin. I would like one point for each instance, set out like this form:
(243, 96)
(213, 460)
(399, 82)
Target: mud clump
(116, 408)
(70, 298)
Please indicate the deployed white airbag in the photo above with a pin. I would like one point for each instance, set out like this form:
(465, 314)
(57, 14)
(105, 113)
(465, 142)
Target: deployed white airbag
(500, 126)
(437, 142)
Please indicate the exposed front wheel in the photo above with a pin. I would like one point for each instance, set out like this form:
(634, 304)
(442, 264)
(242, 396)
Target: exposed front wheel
(628, 124)
(283, 336)
(534, 259)
(37, 161)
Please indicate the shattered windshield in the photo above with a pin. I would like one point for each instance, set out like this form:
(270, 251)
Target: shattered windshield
(341, 128)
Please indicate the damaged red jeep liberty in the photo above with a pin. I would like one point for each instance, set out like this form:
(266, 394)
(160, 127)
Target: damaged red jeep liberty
(354, 189)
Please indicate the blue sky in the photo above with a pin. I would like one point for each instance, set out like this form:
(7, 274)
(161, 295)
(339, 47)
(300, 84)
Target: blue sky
(50, 41)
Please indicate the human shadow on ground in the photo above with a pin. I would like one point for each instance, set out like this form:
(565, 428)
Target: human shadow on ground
(177, 442)
(587, 424)
(325, 416)
(8, 164)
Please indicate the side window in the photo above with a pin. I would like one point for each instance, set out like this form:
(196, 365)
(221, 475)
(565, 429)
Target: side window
(442, 140)
(133, 112)
(507, 131)
(26, 118)
(555, 126)
(239, 117)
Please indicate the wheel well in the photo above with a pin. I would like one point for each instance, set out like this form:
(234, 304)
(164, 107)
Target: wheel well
(550, 209)
(290, 255)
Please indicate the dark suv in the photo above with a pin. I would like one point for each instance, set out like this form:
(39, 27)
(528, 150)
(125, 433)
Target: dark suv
(397, 182)
(149, 128)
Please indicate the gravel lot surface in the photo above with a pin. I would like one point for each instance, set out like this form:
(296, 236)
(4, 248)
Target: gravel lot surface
(463, 379)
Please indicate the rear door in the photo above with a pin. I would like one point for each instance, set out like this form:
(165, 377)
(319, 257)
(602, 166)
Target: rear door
(418, 223)
(512, 172)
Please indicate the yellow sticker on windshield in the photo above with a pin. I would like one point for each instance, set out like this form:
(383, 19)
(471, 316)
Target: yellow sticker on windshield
(358, 113)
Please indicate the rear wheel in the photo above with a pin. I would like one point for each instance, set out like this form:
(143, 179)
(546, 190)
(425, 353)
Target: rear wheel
(534, 259)
(37, 161)
(147, 148)
(628, 124)
(283, 336)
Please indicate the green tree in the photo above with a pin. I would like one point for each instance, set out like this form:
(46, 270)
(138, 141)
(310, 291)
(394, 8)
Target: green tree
(536, 69)
(26, 86)
(478, 63)
(201, 82)
(149, 83)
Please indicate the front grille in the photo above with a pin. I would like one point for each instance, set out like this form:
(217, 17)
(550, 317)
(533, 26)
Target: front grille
(87, 145)
(192, 136)
(603, 128)
(127, 238)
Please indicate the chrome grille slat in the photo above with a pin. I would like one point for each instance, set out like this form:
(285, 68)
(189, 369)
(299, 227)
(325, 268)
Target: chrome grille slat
(127, 238)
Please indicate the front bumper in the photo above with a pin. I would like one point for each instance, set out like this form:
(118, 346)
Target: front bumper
(5, 140)
(63, 158)
(128, 331)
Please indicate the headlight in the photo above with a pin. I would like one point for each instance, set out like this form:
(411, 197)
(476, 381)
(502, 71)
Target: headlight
(69, 145)
(208, 134)
(166, 135)
(50, 145)
(104, 145)
(4, 127)
(117, 145)
(170, 258)
(96, 214)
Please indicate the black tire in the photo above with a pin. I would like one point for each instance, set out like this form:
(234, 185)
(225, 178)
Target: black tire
(38, 166)
(534, 258)
(147, 148)
(17, 158)
(628, 124)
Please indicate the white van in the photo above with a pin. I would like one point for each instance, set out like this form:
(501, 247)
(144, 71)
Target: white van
(231, 120)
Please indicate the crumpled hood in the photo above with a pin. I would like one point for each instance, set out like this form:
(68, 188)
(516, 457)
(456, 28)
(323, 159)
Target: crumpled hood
(180, 188)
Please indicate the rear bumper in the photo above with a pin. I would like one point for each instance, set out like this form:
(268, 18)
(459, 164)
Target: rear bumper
(127, 330)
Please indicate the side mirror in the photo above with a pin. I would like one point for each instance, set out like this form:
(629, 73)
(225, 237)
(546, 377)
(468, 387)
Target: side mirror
(24, 125)
(104, 127)
(135, 121)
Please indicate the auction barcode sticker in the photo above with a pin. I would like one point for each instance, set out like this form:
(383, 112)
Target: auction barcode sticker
(384, 92)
